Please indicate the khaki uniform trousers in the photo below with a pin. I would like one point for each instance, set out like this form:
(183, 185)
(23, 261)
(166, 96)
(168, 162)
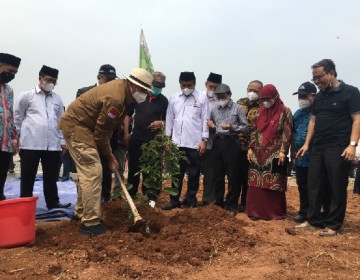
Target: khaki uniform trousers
(88, 166)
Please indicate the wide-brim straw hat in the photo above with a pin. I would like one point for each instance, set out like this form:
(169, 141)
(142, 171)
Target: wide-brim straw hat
(141, 78)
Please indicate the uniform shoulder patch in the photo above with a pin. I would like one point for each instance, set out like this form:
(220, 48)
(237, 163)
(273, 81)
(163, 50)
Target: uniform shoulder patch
(113, 113)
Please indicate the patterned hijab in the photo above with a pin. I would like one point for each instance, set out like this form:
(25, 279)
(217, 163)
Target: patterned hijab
(267, 121)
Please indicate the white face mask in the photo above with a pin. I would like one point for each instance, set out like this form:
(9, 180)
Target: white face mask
(304, 104)
(268, 104)
(253, 96)
(187, 91)
(223, 102)
(210, 93)
(139, 96)
(48, 86)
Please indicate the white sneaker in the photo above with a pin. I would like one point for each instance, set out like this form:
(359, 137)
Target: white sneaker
(152, 203)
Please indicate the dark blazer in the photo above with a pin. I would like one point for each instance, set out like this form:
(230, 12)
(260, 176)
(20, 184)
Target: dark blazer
(84, 89)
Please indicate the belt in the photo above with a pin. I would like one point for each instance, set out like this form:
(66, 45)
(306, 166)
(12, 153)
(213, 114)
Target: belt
(226, 136)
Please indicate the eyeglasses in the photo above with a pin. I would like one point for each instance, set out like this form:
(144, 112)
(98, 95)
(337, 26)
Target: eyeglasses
(318, 77)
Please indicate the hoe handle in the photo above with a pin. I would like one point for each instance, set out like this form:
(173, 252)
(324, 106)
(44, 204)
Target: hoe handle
(133, 209)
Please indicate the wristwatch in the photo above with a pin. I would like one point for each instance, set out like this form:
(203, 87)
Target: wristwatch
(353, 143)
(204, 139)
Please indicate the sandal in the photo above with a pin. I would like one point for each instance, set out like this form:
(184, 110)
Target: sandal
(328, 232)
(304, 226)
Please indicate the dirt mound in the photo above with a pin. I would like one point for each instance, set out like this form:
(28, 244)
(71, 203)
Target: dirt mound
(190, 236)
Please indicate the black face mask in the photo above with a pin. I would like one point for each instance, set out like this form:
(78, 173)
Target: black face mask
(6, 77)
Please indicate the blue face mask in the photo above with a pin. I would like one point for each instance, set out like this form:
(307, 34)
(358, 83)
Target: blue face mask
(155, 91)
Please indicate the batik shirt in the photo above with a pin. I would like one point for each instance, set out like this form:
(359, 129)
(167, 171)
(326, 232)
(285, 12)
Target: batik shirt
(7, 126)
(300, 127)
(251, 112)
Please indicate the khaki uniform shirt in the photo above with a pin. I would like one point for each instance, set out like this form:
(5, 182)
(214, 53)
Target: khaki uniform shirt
(93, 116)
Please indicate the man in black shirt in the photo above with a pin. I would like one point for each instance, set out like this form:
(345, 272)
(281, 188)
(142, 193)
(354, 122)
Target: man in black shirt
(148, 116)
(106, 74)
(335, 129)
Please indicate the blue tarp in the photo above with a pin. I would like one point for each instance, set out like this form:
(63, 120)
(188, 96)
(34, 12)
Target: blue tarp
(67, 193)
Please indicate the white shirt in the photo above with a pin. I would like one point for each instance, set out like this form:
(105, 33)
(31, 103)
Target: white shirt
(186, 119)
(36, 120)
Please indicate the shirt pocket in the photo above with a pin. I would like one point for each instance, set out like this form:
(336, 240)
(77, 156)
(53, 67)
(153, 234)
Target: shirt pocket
(54, 110)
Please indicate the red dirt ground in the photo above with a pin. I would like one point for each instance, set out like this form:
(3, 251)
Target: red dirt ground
(202, 243)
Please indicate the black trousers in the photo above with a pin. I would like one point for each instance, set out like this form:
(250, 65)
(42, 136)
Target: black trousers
(328, 173)
(106, 179)
(193, 171)
(302, 182)
(134, 154)
(29, 164)
(227, 162)
(208, 180)
(5, 159)
(244, 171)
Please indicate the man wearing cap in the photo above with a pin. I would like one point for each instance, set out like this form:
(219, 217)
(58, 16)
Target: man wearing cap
(306, 94)
(228, 120)
(9, 65)
(107, 73)
(250, 106)
(87, 125)
(334, 129)
(37, 112)
(148, 117)
(208, 196)
(186, 124)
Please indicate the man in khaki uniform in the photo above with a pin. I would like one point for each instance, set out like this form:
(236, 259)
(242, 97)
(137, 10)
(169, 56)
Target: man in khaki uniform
(87, 126)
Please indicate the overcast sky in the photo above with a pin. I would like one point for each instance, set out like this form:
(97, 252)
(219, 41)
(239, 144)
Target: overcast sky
(275, 41)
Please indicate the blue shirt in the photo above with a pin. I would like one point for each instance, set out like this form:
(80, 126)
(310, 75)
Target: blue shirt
(300, 126)
(186, 119)
(36, 119)
(231, 113)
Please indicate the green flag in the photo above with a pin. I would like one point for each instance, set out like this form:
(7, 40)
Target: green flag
(145, 58)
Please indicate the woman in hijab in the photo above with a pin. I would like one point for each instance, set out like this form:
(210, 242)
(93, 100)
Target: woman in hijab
(266, 194)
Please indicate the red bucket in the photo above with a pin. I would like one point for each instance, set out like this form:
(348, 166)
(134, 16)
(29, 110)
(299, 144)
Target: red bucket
(17, 221)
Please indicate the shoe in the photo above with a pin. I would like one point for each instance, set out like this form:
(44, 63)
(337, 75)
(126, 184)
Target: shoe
(2, 197)
(232, 211)
(328, 232)
(59, 205)
(203, 203)
(92, 230)
(171, 206)
(75, 218)
(253, 218)
(104, 200)
(304, 226)
(299, 218)
(183, 202)
(64, 179)
(242, 208)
